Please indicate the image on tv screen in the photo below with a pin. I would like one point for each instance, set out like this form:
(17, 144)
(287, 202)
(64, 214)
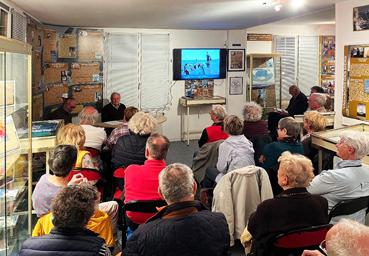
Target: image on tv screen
(200, 63)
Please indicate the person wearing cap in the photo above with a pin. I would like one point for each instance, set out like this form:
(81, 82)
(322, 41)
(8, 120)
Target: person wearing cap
(65, 110)
(114, 110)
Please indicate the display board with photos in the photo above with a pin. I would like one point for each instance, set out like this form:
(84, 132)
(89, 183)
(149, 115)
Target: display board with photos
(356, 82)
(328, 60)
(199, 89)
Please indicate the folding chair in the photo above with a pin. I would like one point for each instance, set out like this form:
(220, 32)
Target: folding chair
(346, 207)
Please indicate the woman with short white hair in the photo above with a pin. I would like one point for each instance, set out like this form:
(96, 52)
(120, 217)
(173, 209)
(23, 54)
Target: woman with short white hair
(349, 179)
(253, 126)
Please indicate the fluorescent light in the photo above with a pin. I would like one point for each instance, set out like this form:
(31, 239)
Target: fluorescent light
(297, 3)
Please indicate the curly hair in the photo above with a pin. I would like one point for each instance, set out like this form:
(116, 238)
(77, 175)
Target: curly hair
(219, 111)
(252, 112)
(71, 134)
(233, 125)
(74, 206)
(142, 123)
(316, 121)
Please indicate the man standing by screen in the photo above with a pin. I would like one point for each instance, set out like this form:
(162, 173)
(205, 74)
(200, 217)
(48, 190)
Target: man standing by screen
(114, 110)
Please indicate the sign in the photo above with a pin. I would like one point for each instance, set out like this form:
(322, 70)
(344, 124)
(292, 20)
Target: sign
(259, 37)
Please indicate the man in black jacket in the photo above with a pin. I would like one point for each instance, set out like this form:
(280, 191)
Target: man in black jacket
(185, 226)
(114, 110)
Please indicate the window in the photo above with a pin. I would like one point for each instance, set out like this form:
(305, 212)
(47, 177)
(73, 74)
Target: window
(3, 22)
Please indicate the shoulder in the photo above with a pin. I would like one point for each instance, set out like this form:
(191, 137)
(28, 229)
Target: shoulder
(132, 169)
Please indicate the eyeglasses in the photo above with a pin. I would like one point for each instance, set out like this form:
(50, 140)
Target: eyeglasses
(322, 248)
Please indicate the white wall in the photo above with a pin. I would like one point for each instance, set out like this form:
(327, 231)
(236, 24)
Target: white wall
(345, 36)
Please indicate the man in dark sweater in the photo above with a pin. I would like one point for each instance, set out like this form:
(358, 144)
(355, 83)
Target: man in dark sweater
(114, 110)
(64, 111)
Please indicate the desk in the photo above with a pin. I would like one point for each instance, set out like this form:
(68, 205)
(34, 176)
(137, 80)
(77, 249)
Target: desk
(187, 102)
(328, 140)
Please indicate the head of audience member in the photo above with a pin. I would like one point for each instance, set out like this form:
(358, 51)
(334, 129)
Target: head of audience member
(295, 171)
(288, 127)
(353, 145)
(233, 125)
(294, 90)
(317, 101)
(217, 113)
(142, 123)
(115, 99)
(62, 160)
(314, 122)
(347, 237)
(177, 184)
(316, 89)
(69, 104)
(128, 113)
(252, 112)
(88, 115)
(157, 146)
(74, 206)
(71, 134)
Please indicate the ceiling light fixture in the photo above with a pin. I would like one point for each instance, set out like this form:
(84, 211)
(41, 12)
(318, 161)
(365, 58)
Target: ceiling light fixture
(297, 3)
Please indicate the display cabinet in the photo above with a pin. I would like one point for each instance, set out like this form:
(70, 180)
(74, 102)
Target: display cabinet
(15, 160)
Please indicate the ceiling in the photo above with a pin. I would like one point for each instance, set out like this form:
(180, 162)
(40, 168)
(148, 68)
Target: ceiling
(167, 14)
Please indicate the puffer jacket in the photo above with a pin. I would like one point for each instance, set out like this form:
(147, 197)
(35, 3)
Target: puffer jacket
(181, 229)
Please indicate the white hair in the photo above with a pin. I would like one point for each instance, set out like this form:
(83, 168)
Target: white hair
(350, 238)
(358, 141)
(219, 111)
(320, 98)
(142, 123)
(88, 115)
(176, 182)
(252, 112)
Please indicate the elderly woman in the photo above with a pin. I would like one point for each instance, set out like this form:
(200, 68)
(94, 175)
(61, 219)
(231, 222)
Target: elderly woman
(253, 126)
(215, 131)
(95, 136)
(288, 131)
(349, 179)
(130, 149)
(294, 208)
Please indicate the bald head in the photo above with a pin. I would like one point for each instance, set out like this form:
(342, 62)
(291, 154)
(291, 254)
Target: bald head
(157, 146)
(88, 115)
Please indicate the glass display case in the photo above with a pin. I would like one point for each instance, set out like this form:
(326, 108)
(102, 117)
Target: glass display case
(15, 157)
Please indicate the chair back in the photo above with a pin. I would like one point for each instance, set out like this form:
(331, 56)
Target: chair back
(294, 242)
(89, 173)
(349, 206)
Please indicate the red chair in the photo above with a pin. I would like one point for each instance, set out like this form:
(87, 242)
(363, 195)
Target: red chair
(89, 173)
(118, 181)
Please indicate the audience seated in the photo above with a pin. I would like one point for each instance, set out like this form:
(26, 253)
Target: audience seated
(297, 106)
(347, 237)
(294, 208)
(349, 179)
(95, 136)
(215, 131)
(234, 152)
(253, 126)
(315, 122)
(317, 102)
(130, 149)
(329, 101)
(71, 209)
(288, 131)
(61, 163)
(98, 223)
(122, 129)
(184, 227)
(238, 194)
(142, 181)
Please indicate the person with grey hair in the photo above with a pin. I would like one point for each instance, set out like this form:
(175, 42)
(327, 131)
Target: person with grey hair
(349, 179)
(317, 102)
(185, 226)
(214, 132)
(253, 126)
(347, 237)
(95, 136)
(288, 131)
(114, 110)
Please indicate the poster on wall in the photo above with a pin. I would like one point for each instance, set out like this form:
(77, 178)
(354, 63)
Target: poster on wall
(361, 18)
(327, 58)
(199, 88)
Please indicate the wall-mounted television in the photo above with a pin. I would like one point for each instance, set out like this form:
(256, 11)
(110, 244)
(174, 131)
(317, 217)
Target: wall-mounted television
(199, 63)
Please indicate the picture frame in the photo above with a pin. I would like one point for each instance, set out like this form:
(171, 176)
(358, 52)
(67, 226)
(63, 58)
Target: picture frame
(235, 85)
(360, 20)
(236, 60)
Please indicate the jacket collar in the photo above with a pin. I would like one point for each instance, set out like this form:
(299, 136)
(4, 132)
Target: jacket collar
(348, 163)
(72, 231)
(293, 192)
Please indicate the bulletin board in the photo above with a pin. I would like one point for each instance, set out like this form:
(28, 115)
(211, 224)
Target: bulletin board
(53, 72)
(50, 45)
(356, 82)
(52, 94)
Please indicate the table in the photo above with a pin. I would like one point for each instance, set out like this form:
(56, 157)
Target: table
(160, 118)
(187, 103)
(329, 138)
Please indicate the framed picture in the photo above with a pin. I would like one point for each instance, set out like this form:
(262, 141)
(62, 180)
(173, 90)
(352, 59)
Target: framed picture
(235, 86)
(360, 18)
(236, 60)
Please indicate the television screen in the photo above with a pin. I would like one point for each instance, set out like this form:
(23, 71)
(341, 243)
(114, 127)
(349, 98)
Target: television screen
(199, 64)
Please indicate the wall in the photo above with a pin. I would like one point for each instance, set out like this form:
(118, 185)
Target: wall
(345, 36)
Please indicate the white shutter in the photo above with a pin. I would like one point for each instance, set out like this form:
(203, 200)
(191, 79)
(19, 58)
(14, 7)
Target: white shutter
(19, 26)
(308, 63)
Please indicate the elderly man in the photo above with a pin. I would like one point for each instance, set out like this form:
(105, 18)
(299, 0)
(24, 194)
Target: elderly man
(317, 102)
(347, 237)
(350, 179)
(114, 110)
(214, 132)
(142, 181)
(184, 227)
(95, 136)
(65, 110)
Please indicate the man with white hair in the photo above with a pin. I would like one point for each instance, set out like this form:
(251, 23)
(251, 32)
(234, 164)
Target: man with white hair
(114, 110)
(350, 179)
(184, 227)
(317, 102)
(347, 237)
